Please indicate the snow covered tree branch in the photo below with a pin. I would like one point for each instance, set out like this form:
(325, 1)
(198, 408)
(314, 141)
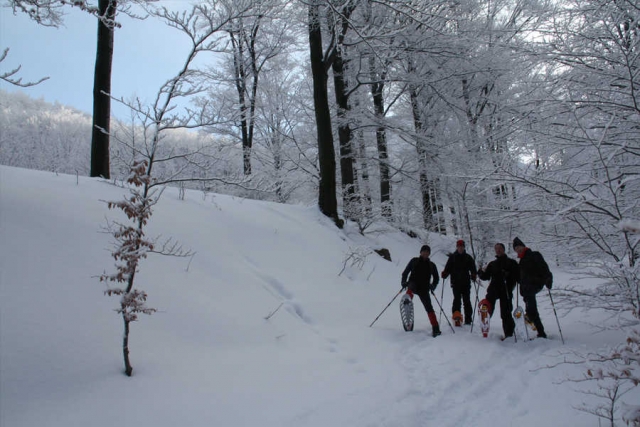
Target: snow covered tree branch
(11, 76)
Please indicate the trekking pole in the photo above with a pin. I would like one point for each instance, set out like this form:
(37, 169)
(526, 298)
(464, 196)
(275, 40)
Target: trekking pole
(441, 310)
(473, 316)
(506, 295)
(394, 298)
(442, 297)
(554, 312)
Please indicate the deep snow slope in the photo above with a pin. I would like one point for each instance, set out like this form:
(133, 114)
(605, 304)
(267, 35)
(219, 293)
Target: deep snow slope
(210, 356)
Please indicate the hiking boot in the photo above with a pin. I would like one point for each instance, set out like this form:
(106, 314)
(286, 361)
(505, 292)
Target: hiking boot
(436, 331)
(542, 335)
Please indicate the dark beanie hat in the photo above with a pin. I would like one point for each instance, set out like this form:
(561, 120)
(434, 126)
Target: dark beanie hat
(425, 248)
(460, 243)
(517, 242)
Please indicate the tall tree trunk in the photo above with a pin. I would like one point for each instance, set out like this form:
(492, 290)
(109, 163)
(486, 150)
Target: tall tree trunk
(241, 89)
(383, 156)
(254, 90)
(244, 43)
(275, 138)
(102, 90)
(425, 183)
(349, 194)
(365, 189)
(327, 200)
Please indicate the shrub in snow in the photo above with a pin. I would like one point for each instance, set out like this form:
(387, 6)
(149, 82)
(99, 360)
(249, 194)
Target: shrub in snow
(131, 247)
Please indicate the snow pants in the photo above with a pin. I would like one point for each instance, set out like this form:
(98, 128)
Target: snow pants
(426, 302)
(531, 311)
(506, 307)
(462, 295)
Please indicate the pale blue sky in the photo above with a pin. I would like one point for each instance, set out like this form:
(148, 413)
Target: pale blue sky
(146, 53)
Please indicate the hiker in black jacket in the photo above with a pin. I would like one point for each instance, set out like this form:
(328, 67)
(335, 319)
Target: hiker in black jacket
(462, 269)
(503, 273)
(421, 277)
(534, 275)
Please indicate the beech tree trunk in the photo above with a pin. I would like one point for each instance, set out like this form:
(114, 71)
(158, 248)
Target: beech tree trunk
(327, 200)
(383, 156)
(349, 194)
(102, 91)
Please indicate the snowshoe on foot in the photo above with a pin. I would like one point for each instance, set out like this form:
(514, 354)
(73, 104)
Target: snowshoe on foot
(406, 312)
(457, 318)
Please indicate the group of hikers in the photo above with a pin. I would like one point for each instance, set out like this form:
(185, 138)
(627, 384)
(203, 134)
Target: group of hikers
(532, 273)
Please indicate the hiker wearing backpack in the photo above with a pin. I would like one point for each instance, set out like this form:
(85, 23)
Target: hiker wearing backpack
(534, 275)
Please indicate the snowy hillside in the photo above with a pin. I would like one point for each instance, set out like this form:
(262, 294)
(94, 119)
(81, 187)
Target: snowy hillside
(209, 357)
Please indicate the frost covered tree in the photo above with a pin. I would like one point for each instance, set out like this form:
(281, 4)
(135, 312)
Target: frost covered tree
(493, 40)
(254, 42)
(284, 132)
(579, 181)
(39, 135)
(583, 156)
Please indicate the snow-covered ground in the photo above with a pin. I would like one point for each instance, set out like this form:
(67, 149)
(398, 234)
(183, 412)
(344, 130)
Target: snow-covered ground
(209, 357)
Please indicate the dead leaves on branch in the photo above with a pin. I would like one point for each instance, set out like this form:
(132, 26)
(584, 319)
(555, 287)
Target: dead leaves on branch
(131, 243)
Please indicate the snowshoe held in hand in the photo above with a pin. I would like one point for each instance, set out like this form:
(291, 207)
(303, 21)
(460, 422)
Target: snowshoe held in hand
(485, 316)
(520, 325)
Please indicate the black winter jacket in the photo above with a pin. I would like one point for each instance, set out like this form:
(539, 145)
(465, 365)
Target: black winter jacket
(534, 273)
(420, 272)
(501, 270)
(460, 266)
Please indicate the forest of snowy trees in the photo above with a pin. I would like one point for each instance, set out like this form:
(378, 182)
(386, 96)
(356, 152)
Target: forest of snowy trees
(447, 116)
(484, 119)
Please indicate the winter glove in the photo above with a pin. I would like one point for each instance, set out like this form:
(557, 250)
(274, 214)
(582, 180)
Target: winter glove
(549, 283)
(473, 277)
(433, 286)
(443, 275)
(404, 285)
